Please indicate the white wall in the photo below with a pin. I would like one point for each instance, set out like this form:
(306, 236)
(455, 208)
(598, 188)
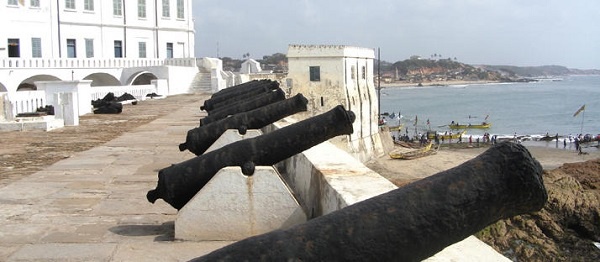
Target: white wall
(25, 22)
(99, 24)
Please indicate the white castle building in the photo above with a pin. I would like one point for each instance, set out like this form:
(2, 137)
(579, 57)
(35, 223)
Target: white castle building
(110, 45)
(331, 75)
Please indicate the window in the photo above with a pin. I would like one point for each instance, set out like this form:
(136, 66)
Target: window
(165, 8)
(88, 5)
(12, 2)
(117, 7)
(70, 4)
(118, 49)
(89, 47)
(142, 8)
(364, 72)
(13, 47)
(315, 73)
(180, 9)
(353, 72)
(142, 49)
(34, 3)
(71, 48)
(169, 50)
(36, 47)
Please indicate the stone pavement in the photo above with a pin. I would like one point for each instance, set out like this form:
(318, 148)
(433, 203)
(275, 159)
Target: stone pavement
(92, 206)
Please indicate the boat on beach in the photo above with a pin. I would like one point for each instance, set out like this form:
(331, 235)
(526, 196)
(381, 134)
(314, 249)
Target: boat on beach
(446, 136)
(420, 152)
(396, 127)
(483, 125)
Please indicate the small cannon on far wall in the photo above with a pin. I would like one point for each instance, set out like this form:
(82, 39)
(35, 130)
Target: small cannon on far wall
(410, 223)
(178, 183)
(199, 139)
(252, 103)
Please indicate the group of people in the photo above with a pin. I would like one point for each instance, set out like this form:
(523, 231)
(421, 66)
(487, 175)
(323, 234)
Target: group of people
(577, 140)
(423, 138)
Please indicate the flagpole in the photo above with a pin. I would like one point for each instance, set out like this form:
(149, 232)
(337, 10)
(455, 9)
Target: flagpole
(582, 118)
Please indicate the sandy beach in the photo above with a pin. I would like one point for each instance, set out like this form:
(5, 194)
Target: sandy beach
(401, 172)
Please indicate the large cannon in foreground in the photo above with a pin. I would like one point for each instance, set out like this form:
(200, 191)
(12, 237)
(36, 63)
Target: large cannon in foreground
(237, 93)
(410, 223)
(201, 138)
(178, 183)
(252, 103)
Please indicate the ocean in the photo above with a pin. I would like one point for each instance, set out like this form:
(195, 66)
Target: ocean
(529, 110)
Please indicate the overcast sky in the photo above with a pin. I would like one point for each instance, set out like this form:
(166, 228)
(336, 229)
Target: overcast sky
(508, 32)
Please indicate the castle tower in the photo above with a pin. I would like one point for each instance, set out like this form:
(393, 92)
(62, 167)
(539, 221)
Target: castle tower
(331, 75)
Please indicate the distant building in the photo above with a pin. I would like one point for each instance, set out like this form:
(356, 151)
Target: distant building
(251, 66)
(331, 75)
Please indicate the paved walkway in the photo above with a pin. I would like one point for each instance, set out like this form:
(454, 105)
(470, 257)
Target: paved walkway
(92, 206)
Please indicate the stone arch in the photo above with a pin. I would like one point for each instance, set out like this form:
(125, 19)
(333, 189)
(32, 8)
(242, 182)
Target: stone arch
(141, 78)
(29, 83)
(103, 79)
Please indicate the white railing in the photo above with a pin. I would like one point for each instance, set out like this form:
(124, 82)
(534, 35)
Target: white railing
(92, 62)
(27, 101)
(137, 91)
(187, 62)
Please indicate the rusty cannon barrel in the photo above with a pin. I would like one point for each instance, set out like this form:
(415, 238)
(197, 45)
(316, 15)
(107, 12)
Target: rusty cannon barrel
(199, 139)
(239, 92)
(410, 223)
(178, 183)
(252, 103)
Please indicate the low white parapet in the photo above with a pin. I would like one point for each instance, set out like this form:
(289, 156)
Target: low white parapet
(45, 123)
(233, 206)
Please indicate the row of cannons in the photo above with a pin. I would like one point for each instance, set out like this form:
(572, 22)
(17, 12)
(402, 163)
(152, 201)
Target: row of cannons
(410, 223)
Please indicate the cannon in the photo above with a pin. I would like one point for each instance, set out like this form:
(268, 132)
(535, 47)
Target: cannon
(236, 93)
(178, 183)
(199, 139)
(410, 223)
(252, 103)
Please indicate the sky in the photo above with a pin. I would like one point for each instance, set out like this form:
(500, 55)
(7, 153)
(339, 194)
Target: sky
(493, 32)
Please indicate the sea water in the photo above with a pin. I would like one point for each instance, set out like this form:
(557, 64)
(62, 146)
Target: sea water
(531, 109)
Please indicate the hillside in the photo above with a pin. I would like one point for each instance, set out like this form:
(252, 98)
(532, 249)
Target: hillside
(537, 71)
(417, 70)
